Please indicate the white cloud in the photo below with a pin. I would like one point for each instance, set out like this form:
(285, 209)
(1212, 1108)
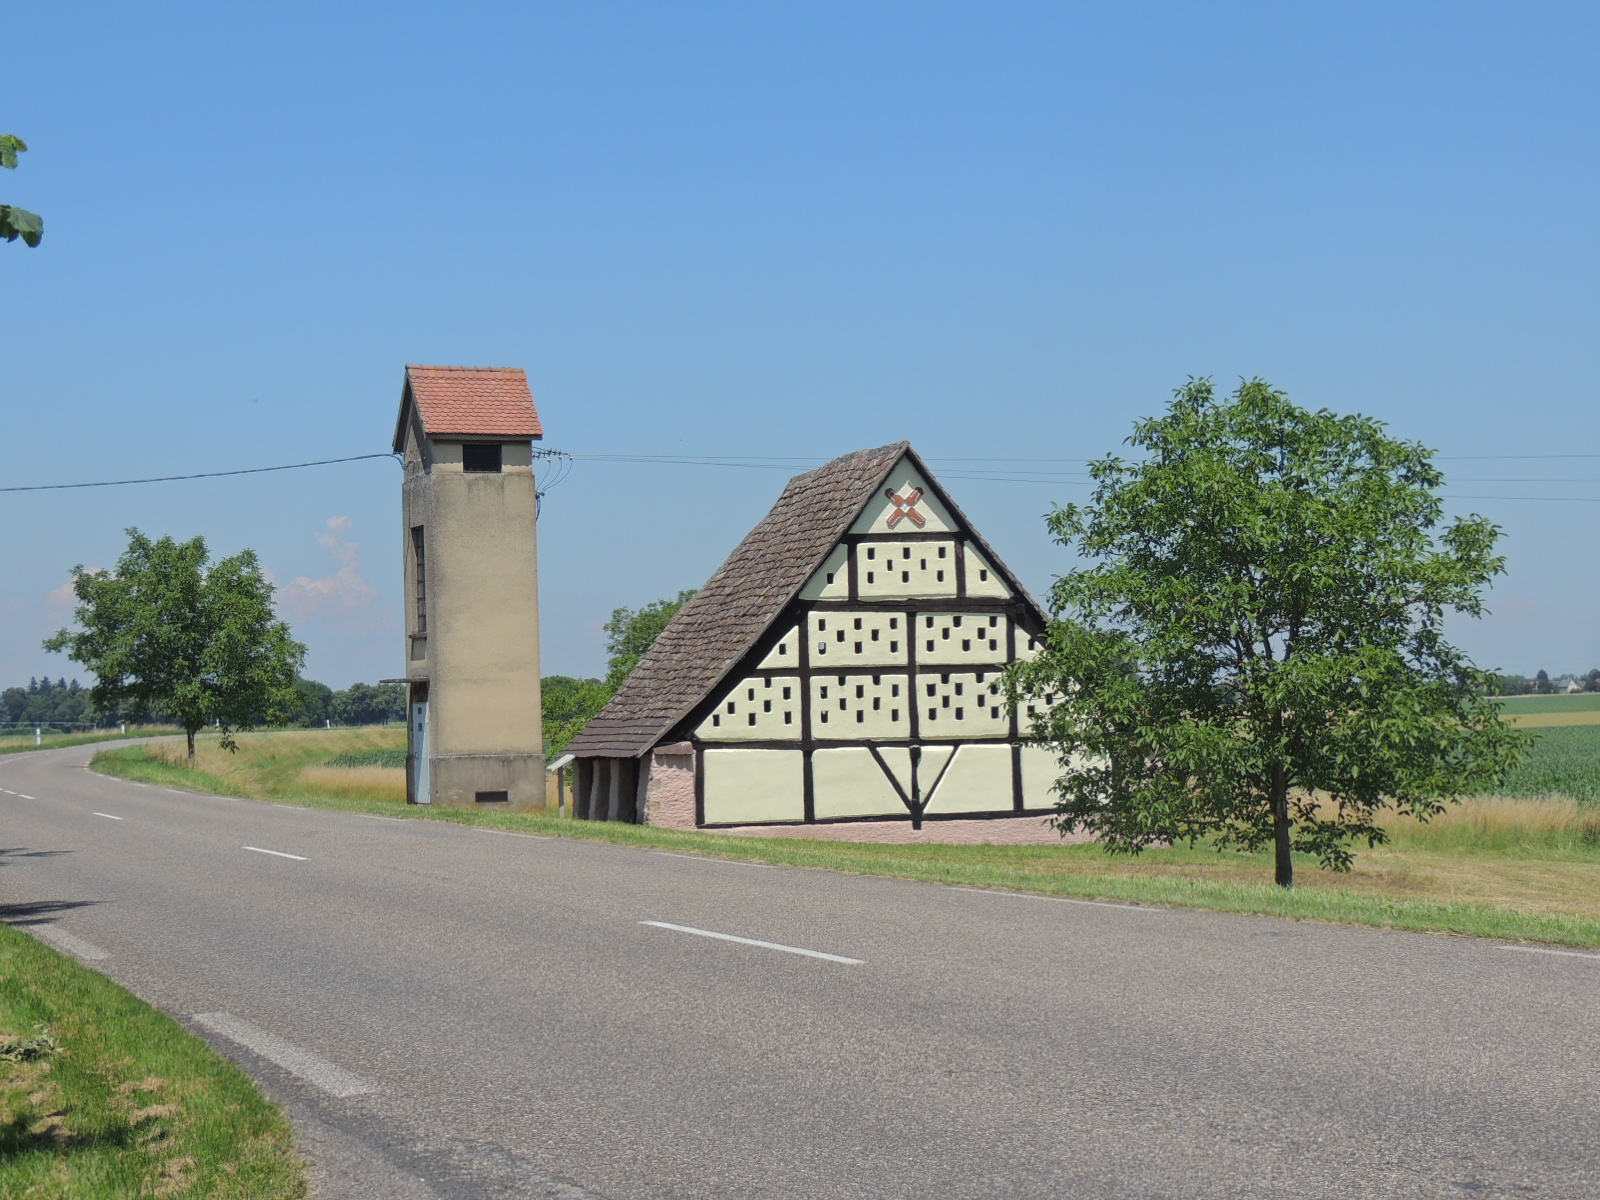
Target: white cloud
(63, 599)
(340, 592)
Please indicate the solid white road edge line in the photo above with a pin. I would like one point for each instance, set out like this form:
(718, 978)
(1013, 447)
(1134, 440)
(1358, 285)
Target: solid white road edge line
(1057, 899)
(63, 940)
(538, 837)
(738, 862)
(743, 941)
(279, 853)
(318, 1072)
(108, 816)
(1542, 950)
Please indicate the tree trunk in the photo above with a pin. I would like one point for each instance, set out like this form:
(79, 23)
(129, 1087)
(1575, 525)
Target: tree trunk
(1281, 825)
(190, 734)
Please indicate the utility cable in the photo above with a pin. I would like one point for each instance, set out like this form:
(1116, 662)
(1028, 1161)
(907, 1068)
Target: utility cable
(51, 487)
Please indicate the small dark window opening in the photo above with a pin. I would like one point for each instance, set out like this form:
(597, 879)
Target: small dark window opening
(492, 797)
(419, 554)
(481, 456)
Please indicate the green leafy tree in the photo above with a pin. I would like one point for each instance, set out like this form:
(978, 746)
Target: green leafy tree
(369, 704)
(569, 705)
(315, 701)
(169, 631)
(631, 632)
(1255, 655)
(17, 222)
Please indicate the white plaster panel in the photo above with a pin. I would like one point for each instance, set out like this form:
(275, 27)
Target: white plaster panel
(849, 783)
(1027, 647)
(1040, 770)
(961, 638)
(983, 581)
(754, 785)
(880, 510)
(857, 639)
(785, 654)
(832, 580)
(1033, 708)
(755, 710)
(887, 570)
(977, 780)
(853, 707)
(962, 704)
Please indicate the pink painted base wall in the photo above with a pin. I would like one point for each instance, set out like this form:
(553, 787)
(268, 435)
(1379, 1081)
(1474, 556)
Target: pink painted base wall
(998, 831)
(669, 796)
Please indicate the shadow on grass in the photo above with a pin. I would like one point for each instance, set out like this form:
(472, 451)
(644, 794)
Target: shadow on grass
(17, 1138)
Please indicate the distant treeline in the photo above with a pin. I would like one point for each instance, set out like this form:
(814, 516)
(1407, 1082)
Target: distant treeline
(46, 705)
(67, 706)
(358, 704)
(1542, 685)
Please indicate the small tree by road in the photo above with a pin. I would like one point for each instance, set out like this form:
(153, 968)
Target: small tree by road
(1254, 654)
(168, 631)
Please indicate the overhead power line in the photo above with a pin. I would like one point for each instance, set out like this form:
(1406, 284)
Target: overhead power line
(561, 464)
(321, 462)
(52, 487)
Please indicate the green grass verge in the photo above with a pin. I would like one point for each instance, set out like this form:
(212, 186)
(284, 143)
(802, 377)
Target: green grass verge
(369, 758)
(54, 741)
(102, 1097)
(1578, 702)
(1075, 871)
(1565, 761)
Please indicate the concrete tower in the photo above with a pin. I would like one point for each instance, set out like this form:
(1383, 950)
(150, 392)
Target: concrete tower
(472, 582)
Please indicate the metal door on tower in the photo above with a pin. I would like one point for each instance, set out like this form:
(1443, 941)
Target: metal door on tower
(419, 754)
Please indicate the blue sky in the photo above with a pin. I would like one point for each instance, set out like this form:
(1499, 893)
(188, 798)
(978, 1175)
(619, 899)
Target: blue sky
(779, 230)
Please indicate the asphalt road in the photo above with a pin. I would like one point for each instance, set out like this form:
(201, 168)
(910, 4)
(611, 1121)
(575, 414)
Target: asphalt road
(449, 1012)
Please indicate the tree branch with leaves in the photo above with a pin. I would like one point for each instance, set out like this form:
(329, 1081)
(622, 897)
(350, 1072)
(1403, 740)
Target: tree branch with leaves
(17, 222)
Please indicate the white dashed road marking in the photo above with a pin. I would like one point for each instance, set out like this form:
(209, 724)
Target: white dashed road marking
(743, 941)
(318, 1072)
(108, 816)
(63, 940)
(1542, 950)
(278, 853)
(1055, 899)
(738, 862)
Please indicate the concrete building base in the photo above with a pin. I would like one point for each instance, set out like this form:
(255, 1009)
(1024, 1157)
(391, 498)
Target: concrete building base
(479, 780)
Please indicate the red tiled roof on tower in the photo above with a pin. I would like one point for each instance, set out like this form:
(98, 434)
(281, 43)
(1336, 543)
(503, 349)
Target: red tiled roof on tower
(471, 402)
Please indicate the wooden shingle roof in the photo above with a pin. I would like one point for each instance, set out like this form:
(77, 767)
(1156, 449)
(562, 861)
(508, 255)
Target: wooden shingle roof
(713, 631)
(717, 628)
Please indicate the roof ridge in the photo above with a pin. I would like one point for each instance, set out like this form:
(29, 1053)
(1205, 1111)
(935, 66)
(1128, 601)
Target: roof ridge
(447, 367)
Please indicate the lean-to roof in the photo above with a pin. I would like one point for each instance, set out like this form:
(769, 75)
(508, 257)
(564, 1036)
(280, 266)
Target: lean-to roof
(716, 629)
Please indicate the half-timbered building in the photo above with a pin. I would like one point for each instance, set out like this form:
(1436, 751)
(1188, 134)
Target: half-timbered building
(839, 676)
